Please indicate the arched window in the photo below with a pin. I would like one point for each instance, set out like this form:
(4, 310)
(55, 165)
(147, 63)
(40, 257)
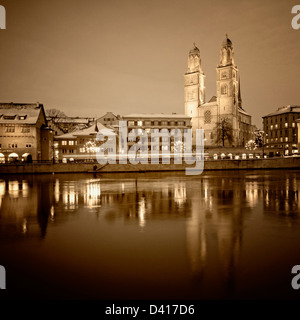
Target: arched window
(224, 89)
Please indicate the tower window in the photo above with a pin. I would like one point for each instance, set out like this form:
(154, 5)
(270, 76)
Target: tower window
(224, 89)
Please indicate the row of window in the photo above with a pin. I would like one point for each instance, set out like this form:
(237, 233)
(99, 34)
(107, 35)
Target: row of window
(148, 131)
(270, 121)
(276, 126)
(14, 117)
(281, 139)
(67, 151)
(13, 129)
(70, 142)
(15, 145)
(280, 133)
(156, 123)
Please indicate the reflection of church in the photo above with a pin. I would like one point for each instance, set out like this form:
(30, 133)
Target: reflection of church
(227, 104)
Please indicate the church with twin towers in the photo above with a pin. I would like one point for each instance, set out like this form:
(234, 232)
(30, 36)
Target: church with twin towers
(223, 111)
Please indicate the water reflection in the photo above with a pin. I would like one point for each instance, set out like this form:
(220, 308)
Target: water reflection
(213, 211)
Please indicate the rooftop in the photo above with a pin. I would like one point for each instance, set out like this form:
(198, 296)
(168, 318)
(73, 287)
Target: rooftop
(90, 131)
(156, 116)
(286, 109)
(20, 113)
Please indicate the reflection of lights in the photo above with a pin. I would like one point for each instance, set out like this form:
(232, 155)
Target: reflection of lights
(13, 188)
(141, 213)
(25, 188)
(24, 225)
(70, 197)
(56, 190)
(252, 193)
(92, 195)
(180, 194)
(2, 188)
(52, 213)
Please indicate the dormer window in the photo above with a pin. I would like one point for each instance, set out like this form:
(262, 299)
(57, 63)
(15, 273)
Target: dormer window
(9, 117)
(22, 117)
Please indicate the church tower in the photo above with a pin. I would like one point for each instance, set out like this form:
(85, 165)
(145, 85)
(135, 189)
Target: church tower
(228, 90)
(194, 86)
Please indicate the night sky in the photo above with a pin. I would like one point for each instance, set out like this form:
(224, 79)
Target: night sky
(87, 57)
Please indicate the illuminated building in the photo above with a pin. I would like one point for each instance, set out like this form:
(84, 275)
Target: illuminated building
(24, 134)
(281, 132)
(227, 104)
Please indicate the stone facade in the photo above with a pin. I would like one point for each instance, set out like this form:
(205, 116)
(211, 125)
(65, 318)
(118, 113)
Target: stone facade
(281, 131)
(226, 105)
(150, 121)
(24, 134)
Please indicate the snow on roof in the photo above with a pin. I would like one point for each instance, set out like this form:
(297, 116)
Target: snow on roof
(243, 111)
(90, 131)
(22, 113)
(156, 115)
(286, 109)
(69, 120)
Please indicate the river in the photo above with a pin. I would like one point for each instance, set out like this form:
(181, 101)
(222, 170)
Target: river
(220, 235)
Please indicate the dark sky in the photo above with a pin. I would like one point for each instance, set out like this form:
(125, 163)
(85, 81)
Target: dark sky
(87, 57)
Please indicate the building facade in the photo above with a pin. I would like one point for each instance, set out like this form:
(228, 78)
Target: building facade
(149, 122)
(80, 145)
(24, 134)
(281, 131)
(226, 106)
(109, 119)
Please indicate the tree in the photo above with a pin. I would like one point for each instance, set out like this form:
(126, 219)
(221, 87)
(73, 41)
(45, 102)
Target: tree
(259, 137)
(251, 145)
(55, 113)
(224, 131)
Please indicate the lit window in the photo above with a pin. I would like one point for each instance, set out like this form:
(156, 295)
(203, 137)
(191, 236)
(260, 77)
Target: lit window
(286, 124)
(140, 123)
(276, 125)
(71, 143)
(25, 130)
(271, 126)
(82, 150)
(130, 123)
(286, 139)
(293, 124)
(64, 143)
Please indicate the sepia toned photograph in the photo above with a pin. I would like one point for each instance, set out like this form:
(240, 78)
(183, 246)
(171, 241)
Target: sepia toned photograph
(149, 150)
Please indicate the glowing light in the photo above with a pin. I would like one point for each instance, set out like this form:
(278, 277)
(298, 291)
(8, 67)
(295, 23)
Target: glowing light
(24, 225)
(92, 195)
(13, 188)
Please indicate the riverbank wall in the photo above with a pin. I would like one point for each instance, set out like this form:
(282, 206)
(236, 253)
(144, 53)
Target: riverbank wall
(249, 164)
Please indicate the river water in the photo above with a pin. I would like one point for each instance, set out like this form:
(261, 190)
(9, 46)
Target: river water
(231, 235)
